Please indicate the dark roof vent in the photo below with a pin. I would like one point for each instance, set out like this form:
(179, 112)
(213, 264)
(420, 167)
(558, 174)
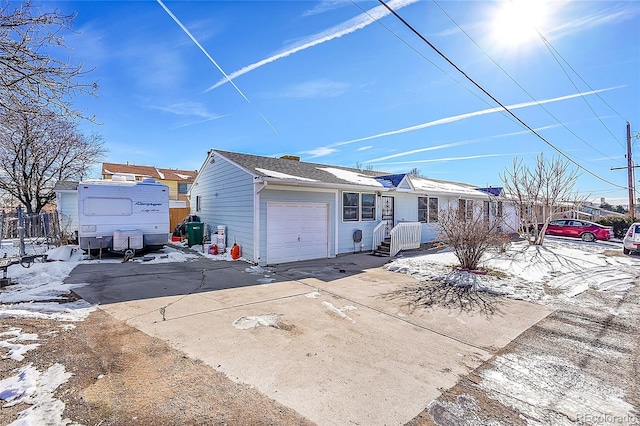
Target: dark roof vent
(290, 157)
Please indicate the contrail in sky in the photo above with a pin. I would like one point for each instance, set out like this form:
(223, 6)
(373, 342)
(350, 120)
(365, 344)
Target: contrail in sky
(345, 28)
(470, 115)
(470, 157)
(187, 32)
(449, 145)
(201, 121)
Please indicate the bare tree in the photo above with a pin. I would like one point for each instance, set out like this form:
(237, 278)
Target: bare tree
(470, 233)
(414, 172)
(30, 78)
(39, 148)
(540, 193)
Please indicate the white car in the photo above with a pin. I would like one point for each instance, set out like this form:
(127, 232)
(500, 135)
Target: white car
(631, 240)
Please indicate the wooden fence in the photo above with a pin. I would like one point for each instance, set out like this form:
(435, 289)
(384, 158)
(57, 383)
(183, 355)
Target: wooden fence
(176, 215)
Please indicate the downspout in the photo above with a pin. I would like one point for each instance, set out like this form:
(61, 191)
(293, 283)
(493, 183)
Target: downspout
(256, 223)
(336, 223)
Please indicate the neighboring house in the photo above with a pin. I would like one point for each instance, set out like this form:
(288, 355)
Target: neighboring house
(282, 209)
(67, 207)
(593, 212)
(178, 181)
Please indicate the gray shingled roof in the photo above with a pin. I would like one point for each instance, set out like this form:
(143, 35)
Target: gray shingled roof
(307, 170)
(292, 167)
(66, 185)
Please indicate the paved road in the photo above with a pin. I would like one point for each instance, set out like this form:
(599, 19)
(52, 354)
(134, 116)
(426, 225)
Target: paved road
(579, 365)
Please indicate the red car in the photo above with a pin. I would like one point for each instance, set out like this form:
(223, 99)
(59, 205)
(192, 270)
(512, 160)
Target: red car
(587, 231)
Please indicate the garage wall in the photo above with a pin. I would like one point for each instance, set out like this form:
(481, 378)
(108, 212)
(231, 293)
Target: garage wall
(226, 193)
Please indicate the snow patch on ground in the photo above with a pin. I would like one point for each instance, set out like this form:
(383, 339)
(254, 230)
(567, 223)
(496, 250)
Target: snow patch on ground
(531, 385)
(340, 312)
(36, 388)
(259, 270)
(11, 342)
(312, 295)
(526, 272)
(249, 322)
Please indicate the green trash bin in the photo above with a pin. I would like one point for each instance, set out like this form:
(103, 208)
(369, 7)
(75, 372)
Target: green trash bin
(194, 232)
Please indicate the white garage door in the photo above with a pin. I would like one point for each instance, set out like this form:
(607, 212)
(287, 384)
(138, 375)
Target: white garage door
(297, 231)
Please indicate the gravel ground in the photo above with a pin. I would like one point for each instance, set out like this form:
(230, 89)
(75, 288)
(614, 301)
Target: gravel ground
(122, 376)
(580, 365)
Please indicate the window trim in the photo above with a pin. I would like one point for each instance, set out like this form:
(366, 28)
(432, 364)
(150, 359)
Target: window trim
(426, 216)
(187, 186)
(360, 207)
(372, 208)
(465, 213)
(351, 207)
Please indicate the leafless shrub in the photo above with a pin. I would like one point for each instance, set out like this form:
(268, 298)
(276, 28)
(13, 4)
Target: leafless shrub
(470, 233)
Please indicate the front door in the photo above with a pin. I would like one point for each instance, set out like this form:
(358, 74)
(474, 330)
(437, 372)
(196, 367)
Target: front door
(387, 215)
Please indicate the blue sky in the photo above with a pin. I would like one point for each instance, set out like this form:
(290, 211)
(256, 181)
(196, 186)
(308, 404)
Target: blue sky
(326, 81)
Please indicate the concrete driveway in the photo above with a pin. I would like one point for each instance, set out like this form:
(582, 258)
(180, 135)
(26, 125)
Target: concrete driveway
(317, 336)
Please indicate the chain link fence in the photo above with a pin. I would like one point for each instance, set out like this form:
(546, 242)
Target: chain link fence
(28, 234)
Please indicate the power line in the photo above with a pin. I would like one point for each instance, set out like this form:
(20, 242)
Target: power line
(520, 86)
(553, 52)
(421, 55)
(493, 98)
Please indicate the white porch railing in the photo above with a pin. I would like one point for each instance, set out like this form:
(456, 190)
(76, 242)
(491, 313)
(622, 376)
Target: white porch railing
(405, 236)
(378, 235)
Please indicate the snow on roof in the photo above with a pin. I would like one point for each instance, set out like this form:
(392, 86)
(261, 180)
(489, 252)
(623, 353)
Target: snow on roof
(282, 175)
(160, 174)
(181, 176)
(352, 176)
(428, 185)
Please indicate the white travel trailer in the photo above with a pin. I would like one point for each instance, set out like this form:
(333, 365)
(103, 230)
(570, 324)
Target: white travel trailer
(122, 215)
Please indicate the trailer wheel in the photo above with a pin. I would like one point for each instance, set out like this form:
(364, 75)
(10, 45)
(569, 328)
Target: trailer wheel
(26, 262)
(128, 254)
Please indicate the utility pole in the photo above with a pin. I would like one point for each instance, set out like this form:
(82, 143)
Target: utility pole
(632, 210)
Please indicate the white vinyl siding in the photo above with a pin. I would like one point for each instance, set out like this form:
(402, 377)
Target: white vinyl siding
(226, 194)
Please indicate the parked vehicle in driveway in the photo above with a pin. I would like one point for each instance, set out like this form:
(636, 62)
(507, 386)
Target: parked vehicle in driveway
(631, 241)
(587, 231)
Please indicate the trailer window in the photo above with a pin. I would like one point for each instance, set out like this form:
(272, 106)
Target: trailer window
(107, 206)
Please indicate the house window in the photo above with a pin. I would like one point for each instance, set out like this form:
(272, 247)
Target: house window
(350, 206)
(499, 209)
(423, 209)
(368, 207)
(357, 206)
(427, 209)
(485, 211)
(433, 209)
(183, 188)
(198, 203)
(465, 209)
